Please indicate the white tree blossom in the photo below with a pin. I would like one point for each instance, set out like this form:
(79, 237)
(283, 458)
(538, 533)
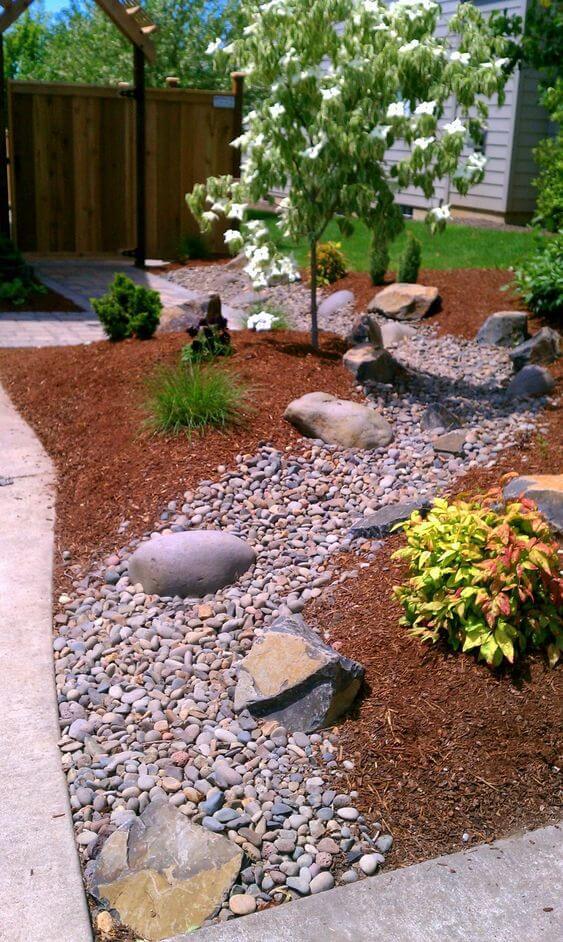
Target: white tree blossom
(337, 83)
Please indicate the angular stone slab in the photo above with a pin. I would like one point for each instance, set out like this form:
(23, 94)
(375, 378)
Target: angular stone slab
(292, 676)
(531, 381)
(365, 330)
(504, 329)
(376, 526)
(338, 421)
(190, 564)
(452, 442)
(546, 490)
(439, 417)
(403, 302)
(163, 874)
(371, 365)
(543, 347)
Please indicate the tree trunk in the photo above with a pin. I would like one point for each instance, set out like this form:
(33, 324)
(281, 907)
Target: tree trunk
(314, 324)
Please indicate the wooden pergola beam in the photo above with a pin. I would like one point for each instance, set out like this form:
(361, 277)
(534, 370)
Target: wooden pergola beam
(12, 10)
(128, 16)
(131, 25)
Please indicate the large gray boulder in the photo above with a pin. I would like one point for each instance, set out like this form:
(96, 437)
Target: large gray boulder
(162, 874)
(292, 676)
(190, 564)
(365, 330)
(334, 303)
(338, 421)
(403, 302)
(546, 490)
(530, 382)
(369, 364)
(504, 329)
(543, 347)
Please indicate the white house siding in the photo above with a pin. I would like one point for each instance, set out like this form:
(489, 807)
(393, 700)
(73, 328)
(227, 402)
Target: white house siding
(531, 126)
(490, 196)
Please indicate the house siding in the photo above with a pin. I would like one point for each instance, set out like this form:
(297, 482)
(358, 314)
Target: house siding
(532, 124)
(519, 120)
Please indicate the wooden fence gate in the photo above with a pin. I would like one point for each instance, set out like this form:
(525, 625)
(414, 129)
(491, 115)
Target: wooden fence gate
(72, 164)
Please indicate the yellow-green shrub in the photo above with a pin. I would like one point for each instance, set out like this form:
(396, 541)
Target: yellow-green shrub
(485, 576)
(331, 263)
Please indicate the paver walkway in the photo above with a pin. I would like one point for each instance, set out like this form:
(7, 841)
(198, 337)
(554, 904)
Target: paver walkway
(41, 891)
(80, 279)
(509, 891)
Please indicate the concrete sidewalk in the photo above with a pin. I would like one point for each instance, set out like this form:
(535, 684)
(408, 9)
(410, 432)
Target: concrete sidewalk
(509, 891)
(41, 892)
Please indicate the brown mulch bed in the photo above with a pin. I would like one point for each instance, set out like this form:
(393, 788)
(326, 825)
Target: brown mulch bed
(86, 405)
(468, 296)
(51, 301)
(443, 745)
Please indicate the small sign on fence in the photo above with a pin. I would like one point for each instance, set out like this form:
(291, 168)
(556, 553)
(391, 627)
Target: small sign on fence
(223, 101)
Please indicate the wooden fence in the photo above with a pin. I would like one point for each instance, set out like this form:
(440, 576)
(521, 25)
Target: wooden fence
(72, 164)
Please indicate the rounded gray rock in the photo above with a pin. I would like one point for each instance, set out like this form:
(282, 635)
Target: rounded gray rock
(190, 564)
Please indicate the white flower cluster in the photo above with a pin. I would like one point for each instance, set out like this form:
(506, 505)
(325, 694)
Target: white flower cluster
(262, 320)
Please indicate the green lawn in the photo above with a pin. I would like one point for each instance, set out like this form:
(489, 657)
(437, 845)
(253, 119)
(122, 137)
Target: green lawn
(459, 246)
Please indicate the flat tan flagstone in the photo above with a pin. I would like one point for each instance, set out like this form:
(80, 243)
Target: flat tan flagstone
(163, 874)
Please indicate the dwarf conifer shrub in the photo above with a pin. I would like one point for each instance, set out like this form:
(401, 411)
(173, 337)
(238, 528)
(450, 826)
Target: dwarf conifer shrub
(331, 263)
(378, 259)
(128, 310)
(483, 576)
(410, 261)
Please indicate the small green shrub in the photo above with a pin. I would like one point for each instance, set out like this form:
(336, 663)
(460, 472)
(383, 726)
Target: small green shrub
(409, 264)
(209, 342)
(539, 278)
(549, 158)
(331, 263)
(484, 576)
(145, 312)
(17, 284)
(276, 317)
(18, 292)
(193, 246)
(194, 397)
(128, 310)
(378, 259)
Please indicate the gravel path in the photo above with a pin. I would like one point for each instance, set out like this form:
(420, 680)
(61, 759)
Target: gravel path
(146, 684)
(235, 289)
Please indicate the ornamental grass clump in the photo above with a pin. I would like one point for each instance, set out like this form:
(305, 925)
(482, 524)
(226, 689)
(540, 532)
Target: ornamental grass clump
(195, 397)
(483, 576)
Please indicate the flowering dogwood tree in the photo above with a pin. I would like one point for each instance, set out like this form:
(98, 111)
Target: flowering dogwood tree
(338, 82)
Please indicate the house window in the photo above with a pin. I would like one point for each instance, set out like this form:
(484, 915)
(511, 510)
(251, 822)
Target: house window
(406, 211)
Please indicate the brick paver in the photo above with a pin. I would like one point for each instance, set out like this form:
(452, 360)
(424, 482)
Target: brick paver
(79, 280)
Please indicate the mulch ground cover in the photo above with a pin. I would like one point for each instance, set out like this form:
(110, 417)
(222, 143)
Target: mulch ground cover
(468, 296)
(86, 405)
(51, 302)
(443, 746)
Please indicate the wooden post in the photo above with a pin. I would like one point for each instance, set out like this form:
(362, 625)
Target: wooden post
(237, 79)
(140, 148)
(4, 198)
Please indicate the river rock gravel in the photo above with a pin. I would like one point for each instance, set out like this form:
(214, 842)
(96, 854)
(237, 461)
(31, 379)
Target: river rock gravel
(146, 684)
